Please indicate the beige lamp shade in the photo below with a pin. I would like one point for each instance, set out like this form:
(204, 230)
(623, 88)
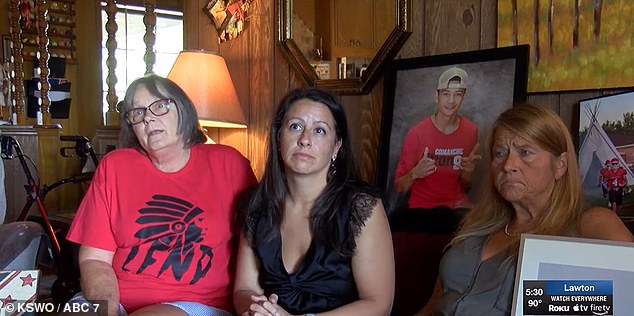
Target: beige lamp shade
(205, 78)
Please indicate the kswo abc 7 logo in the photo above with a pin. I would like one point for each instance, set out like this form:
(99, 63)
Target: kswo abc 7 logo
(39, 307)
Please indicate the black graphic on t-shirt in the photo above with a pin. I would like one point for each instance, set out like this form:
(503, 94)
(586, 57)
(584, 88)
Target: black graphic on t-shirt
(170, 225)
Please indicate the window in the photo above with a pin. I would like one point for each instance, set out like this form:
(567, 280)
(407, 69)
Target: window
(131, 47)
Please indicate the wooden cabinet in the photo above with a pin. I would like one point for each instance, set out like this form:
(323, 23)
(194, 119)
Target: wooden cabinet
(360, 27)
(40, 145)
(384, 21)
(106, 139)
(61, 30)
(14, 177)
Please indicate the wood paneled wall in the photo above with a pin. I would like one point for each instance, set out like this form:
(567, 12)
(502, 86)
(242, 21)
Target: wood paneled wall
(250, 61)
(263, 75)
(260, 73)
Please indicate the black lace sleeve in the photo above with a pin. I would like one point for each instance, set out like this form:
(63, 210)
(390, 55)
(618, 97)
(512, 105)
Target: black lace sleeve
(362, 204)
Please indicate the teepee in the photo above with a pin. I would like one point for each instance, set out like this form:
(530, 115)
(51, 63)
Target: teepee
(595, 149)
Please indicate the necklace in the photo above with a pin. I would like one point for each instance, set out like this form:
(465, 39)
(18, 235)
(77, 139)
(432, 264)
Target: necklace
(506, 231)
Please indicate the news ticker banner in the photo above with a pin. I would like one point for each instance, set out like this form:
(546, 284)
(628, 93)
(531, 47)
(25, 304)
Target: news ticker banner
(566, 297)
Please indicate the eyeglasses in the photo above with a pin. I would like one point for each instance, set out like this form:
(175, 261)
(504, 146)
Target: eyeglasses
(615, 163)
(158, 108)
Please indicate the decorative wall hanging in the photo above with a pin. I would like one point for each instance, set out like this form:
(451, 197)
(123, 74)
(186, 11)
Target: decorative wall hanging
(575, 45)
(27, 14)
(228, 16)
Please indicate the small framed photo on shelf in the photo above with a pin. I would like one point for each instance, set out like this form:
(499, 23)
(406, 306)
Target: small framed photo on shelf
(322, 70)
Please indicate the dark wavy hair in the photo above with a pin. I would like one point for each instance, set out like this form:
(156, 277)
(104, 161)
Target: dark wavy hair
(188, 127)
(268, 199)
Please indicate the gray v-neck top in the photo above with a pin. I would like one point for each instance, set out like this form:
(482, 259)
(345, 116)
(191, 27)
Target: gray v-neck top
(472, 286)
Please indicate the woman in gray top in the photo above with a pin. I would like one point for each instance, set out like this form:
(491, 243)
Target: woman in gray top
(533, 187)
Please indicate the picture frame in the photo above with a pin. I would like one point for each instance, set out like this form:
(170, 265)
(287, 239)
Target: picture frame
(228, 16)
(565, 34)
(6, 48)
(603, 134)
(497, 78)
(553, 259)
(216, 10)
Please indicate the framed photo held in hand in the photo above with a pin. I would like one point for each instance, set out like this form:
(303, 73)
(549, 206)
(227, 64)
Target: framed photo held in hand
(571, 276)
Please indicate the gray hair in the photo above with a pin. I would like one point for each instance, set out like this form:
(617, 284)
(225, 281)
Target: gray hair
(188, 127)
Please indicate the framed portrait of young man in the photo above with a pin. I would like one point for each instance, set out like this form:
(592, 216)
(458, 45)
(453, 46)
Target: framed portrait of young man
(420, 94)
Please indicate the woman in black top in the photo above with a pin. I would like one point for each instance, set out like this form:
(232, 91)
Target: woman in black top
(315, 240)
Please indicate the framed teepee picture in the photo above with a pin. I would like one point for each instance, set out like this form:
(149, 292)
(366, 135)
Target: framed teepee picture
(606, 151)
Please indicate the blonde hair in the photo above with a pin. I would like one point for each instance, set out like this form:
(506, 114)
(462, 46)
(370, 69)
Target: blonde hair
(543, 127)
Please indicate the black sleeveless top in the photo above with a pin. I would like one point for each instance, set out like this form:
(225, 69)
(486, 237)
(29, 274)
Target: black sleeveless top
(324, 280)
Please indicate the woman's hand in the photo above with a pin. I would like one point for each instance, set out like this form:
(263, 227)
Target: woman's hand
(260, 306)
(263, 306)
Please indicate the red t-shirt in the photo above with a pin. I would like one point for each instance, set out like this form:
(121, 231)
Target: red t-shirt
(605, 175)
(616, 178)
(173, 234)
(441, 188)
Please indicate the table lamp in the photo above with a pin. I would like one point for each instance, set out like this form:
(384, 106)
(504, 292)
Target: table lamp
(205, 78)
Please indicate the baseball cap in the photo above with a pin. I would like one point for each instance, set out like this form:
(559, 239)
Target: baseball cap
(451, 73)
(615, 160)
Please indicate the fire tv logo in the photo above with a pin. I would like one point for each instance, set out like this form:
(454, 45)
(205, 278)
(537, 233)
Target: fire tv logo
(595, 309)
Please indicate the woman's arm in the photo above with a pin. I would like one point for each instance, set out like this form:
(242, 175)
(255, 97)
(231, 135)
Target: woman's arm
(247, 294)
(435, 296)
(602, 223)
(98, 280)
(373, 269)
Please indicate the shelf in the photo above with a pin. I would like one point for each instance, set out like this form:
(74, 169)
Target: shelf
(61, 11)
(61, 24)
(29, 32)
(69, 58)
(60, 18)
(69, 48)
